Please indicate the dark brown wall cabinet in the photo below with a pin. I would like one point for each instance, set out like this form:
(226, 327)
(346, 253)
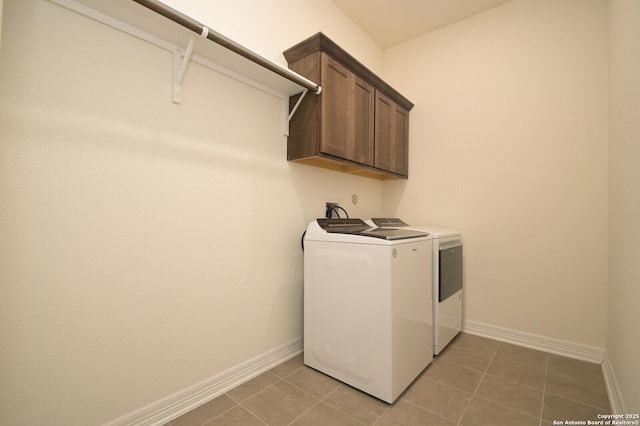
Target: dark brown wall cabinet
(358, 124)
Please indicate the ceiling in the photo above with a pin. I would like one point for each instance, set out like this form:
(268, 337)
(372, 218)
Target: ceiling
(390, 22)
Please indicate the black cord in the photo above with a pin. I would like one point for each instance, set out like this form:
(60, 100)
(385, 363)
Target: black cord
(302, 239)
(333, 209)
(327, 213)
(345, 212)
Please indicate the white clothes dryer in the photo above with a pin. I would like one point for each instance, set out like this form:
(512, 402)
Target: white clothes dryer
(365, 320)
(447, 278)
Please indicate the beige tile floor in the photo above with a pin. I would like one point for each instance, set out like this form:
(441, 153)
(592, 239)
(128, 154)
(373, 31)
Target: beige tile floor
(474, 382)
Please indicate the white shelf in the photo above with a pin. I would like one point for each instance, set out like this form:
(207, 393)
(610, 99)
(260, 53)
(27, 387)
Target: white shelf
(149, 25)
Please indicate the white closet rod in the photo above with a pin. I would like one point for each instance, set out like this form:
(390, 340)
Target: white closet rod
(218, 38)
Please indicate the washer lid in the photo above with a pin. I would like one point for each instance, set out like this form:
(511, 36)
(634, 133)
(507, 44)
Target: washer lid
(342, 226)
(359, 227)
(389, 222)
(395, 222)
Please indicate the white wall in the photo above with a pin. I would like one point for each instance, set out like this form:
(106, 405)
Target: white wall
(146, 246)
(509, 145)
(1, 9)
(119, 286)
(623, 342)
(278, 24)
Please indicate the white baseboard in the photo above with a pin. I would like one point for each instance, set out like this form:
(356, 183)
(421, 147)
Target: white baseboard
(167, 409)
(613, 390)
(534, 341)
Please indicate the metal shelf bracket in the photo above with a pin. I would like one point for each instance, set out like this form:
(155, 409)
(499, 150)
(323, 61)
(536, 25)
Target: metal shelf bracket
(180, 64)
(295, 107)
(299, 101)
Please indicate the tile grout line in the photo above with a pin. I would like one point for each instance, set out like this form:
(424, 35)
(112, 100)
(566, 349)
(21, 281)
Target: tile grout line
(521, 365)
(322, 399)
(429, 411)
(429, 379)
(236, 406)
(513, 382)
(566, 398)
(544, 387)
(342, 412)
(319, 400)
(244, 407)
(305, 411)
(241, 404)
(278, 379)
(542, 391)
(575, 401)
(386, 410)
(401, 397)
(484, 373)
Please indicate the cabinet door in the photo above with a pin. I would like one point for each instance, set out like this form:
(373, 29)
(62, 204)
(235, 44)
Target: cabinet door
(400, 145)
(347, 128)
(391, 136)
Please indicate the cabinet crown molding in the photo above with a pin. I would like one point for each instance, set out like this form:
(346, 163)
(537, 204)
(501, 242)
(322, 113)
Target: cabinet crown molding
(320, 42)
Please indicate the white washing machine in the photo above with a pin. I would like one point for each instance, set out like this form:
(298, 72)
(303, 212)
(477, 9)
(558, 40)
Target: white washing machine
(447, 279)
(366, 322)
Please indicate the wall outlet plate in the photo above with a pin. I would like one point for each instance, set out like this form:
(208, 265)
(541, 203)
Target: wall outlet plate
(330, 211)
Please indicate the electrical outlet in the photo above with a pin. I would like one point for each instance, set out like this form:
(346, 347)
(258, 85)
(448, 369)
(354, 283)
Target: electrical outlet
(330, 211)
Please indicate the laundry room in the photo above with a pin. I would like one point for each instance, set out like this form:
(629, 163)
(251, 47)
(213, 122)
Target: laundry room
(150, 254)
